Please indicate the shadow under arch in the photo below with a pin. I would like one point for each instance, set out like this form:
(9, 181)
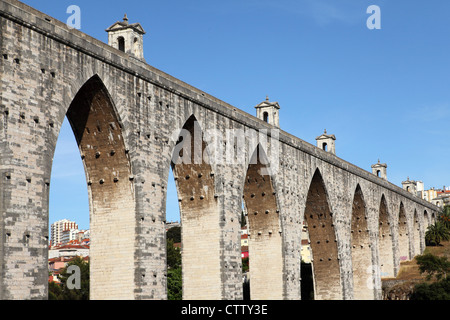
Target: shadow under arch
(99, 135)
(417, 248)
(265, 239)
(320, 225)
(361, 250)
(385, 243)
(403, 238)
(199, 214)
(426, 220)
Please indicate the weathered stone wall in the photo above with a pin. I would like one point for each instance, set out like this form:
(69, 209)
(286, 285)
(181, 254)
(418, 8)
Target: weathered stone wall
(127, 155)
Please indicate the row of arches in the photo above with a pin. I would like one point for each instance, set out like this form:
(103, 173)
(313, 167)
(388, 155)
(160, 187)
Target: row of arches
(98, 131)
(369, 263)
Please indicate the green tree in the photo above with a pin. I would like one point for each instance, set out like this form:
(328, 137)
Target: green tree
(64, 291)
(437, 233)
(245, 266)
(54, 291)
(174, 284)
(432, 265)
(444, 217)
(174, 271)
(174, 234)
(432, 291)
(173, 255)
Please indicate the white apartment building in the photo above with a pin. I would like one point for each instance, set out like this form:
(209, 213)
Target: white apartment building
(74, 234)
(58, 227)
(68, 251)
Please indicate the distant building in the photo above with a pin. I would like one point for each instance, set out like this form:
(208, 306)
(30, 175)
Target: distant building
(244, 240)
(69, 250)
(244, 252)
(306, 247)
(56, 264)
(429, 195)
(170, 225)
(74, 234)
(438, 197)
(442, 198)
(59, 227)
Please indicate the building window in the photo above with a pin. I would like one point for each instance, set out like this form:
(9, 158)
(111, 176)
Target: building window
(325, 146)
(121, 42)
(136, 47)
(266, 117)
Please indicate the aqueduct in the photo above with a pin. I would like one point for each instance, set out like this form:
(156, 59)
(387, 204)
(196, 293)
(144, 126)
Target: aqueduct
(124, 114)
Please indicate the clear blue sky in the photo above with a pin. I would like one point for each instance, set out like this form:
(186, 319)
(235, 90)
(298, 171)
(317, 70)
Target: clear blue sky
(384, 93)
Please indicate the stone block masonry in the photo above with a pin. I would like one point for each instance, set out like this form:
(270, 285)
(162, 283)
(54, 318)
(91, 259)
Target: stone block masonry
(127, 117)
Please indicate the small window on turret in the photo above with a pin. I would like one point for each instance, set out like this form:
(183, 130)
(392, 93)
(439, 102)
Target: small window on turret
(121, 42)
(325, 146)
(266, 117)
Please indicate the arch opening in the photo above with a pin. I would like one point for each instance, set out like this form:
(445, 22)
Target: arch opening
(403, 239)
(320, 225)
(199, 215)
(426, 220)
(385, 244)
(361, 251)
(417, 249)
(264, 240)
(100, 140)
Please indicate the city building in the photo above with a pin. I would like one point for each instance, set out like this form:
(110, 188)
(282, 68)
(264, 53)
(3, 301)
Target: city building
(442, 198)
(74, 234)
(171, 224)
(429, 195)
(55, 265)
(59, 227)
(69, 250)
(244, 240)
(305, 252)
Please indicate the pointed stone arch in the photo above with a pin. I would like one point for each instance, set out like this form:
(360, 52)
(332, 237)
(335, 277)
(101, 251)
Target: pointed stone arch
(403, 234)
(98, 132)
(320, 225)
(385, 244)
(361, 249)
(199, 212)
(426, 220)
(417, 248)
(265, 239)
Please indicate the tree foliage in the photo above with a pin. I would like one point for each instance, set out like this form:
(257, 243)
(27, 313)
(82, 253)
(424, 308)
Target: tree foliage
(437, 233)
(174, 271)
(174, 284)
(444, 217)
(174, 234)
(437, 269)
(173, 255)
(433, 266)
(63, 291)
(432, 291)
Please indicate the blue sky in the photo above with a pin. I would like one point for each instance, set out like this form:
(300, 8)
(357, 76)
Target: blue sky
(383, 93)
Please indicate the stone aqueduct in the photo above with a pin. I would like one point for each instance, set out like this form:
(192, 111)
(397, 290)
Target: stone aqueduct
(123, 113)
